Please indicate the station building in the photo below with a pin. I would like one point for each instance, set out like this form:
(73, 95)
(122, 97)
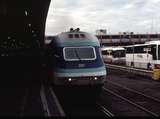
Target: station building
(126, 39)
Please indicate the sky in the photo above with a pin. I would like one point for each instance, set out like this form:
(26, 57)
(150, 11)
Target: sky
(138, 16)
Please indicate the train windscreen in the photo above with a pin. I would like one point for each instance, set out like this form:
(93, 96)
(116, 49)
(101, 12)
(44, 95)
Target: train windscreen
(79, 53)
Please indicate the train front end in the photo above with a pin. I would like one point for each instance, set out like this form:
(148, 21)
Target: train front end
(78, 60)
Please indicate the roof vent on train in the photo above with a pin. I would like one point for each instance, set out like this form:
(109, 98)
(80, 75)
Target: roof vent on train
(74, 33)
(71, 30)
(76, 30)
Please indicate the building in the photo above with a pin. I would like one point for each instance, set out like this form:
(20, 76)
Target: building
(101, 32)
(124, 38)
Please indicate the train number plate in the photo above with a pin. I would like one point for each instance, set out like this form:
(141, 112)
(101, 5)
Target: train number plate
(81, 65)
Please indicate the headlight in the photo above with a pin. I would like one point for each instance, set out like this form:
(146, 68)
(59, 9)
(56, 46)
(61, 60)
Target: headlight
(69, 79)
(95, 78)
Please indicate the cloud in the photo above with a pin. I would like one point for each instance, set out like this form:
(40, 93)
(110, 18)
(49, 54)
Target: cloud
(113, 15)
(59, 24)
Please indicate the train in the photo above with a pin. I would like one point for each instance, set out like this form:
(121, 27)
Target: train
(114, 55)
(75, 59)
(142, 56)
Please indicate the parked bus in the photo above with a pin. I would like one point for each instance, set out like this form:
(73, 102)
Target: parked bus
(114, 55)
(144, 56)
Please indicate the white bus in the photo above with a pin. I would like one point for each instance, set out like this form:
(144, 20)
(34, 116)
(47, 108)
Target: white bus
(114, 55)
(144, 56)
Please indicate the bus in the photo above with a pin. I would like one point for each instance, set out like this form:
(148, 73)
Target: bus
(114, 55)
(144, 56)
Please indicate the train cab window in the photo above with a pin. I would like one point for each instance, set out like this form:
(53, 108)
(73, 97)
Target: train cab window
(70, 35)
(79, 53)
(82, 35)
(76, 35)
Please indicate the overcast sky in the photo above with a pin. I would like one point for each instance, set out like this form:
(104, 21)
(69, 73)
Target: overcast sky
(139, 16)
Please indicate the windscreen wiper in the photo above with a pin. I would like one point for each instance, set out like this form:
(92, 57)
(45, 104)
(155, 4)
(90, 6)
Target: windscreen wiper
(77, 54)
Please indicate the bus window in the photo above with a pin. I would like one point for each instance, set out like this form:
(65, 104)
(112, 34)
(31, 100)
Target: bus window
(122, 53)
(129, 50)
(158, 52)
(104, 52)
(119, 53)
(153, 52)
(109, 52)
(140, 49)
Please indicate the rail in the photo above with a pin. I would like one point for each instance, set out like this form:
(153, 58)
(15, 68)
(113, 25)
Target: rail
(105, 111)
(135, 91)
(51, 105)
(132, 103)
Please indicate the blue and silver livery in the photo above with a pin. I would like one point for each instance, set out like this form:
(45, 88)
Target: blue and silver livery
(77, 59)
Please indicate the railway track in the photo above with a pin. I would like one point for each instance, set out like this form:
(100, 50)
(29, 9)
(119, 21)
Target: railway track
(42, 98)
(24, 101)
(135, 91)
(106, 112)
(51, 105)
(146, 103)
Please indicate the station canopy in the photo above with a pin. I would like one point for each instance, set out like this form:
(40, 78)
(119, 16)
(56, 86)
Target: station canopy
(22, 25)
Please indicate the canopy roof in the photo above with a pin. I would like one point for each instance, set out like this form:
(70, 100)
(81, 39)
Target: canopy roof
(22, 24)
